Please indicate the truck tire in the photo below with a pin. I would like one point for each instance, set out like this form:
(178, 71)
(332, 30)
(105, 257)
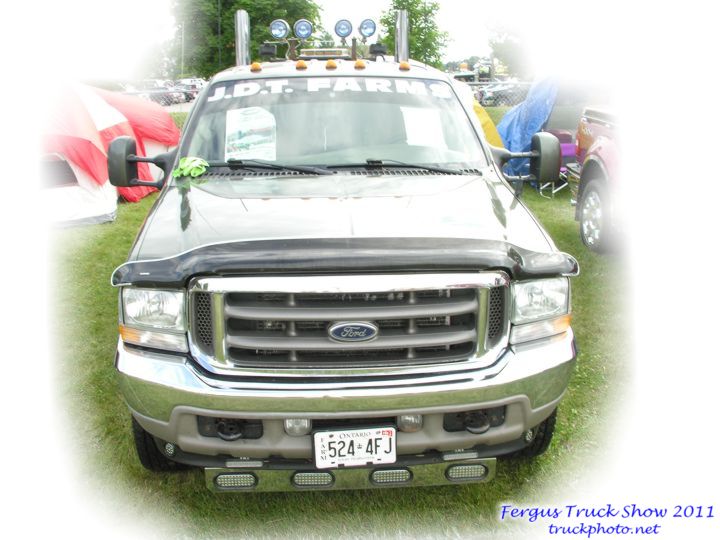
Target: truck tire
(543, 434)
(595, 217)
(150, 457)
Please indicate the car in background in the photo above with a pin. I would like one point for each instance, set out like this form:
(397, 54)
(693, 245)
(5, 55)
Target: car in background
(593, 179)
(160, 91)
(189, 91)
(503, 94)
(196, 81)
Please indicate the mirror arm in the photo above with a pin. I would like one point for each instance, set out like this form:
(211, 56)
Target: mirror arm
(132, 158)
(140, 159)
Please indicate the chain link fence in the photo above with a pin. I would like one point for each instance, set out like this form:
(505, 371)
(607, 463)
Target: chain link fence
(500, 93)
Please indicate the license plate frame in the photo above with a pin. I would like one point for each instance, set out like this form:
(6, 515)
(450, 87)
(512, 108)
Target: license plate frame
(361, 436)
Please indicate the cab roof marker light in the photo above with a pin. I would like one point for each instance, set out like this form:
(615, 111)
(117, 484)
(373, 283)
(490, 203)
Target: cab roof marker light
(279, 29)
(360, 64)
(404, 66)
(303, 29)
(343, 28)
(255, 67)
(331, 64)
(301, 65)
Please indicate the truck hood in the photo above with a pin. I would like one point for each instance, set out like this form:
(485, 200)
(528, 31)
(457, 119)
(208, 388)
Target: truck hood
(234, 208)
(343, 223)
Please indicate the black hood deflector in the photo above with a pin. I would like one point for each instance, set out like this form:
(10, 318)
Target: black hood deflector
(353, 255)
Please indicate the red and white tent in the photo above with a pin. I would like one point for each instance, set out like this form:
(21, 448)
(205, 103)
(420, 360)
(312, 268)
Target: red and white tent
(81, 123)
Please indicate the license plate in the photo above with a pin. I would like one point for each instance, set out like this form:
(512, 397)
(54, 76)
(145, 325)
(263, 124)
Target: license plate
(354, 447)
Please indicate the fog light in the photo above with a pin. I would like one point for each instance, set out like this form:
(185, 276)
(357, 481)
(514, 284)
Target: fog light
(391, 476)
(458, 473)
(169, 449)
(313, 479)
(297, 427)
(410, 423)
(236, 481)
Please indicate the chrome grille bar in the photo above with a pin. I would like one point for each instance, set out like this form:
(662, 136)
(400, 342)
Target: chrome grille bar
(424, 309)
(287, 343)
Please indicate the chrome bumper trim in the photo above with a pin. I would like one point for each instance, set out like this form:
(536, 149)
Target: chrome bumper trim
(431, 474)
(154, 384)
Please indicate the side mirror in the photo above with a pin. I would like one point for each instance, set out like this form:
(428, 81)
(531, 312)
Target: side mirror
(120, 170)
(122, 163)
(547, 159)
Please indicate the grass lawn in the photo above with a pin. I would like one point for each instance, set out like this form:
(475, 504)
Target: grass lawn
(86, 316)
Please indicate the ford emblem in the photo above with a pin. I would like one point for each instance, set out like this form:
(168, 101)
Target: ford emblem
(352, 331)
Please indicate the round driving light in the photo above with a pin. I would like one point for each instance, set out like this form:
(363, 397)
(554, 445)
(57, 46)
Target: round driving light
(303, 28)
(410, 423)
(343, 28)
(297, 427)
(367, 28)
(279, 29)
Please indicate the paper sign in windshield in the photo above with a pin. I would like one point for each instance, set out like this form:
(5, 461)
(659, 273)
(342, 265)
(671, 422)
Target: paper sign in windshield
(250, 134)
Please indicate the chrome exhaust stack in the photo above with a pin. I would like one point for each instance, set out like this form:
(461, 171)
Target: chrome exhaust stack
(242, 38)
(402, 38)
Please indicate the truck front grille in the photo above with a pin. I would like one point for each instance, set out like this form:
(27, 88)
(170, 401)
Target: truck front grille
(268, 329)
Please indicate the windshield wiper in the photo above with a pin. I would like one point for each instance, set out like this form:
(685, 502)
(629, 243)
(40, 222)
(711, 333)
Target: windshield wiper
(375, 164)
(259, 164)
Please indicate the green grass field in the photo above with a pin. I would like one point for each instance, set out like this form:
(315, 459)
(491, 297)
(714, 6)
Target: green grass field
(99, 423)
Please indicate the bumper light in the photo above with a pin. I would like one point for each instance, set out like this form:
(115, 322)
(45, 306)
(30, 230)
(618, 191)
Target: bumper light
(410, 423)
(297, 427)
(540, 329)
(156, 340)
(313, 479)
(236, 481)
(460, 473)
(391, 476)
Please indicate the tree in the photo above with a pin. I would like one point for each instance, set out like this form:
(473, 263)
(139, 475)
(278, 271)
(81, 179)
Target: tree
(510, 49)
(205, 37)
(426, 40)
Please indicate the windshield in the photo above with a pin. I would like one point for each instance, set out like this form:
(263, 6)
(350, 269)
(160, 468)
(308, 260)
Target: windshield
(334, 121)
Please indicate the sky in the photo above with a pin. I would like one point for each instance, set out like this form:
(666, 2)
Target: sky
(107, 40)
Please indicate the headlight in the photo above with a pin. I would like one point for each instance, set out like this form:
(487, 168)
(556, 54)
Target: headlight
(150, 308)
(153, 318)
(540, 309)
(540, 299)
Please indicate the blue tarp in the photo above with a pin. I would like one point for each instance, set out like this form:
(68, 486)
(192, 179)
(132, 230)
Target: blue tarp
(524, 120)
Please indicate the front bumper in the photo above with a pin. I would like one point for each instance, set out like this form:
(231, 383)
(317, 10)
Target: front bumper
(166, 393)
